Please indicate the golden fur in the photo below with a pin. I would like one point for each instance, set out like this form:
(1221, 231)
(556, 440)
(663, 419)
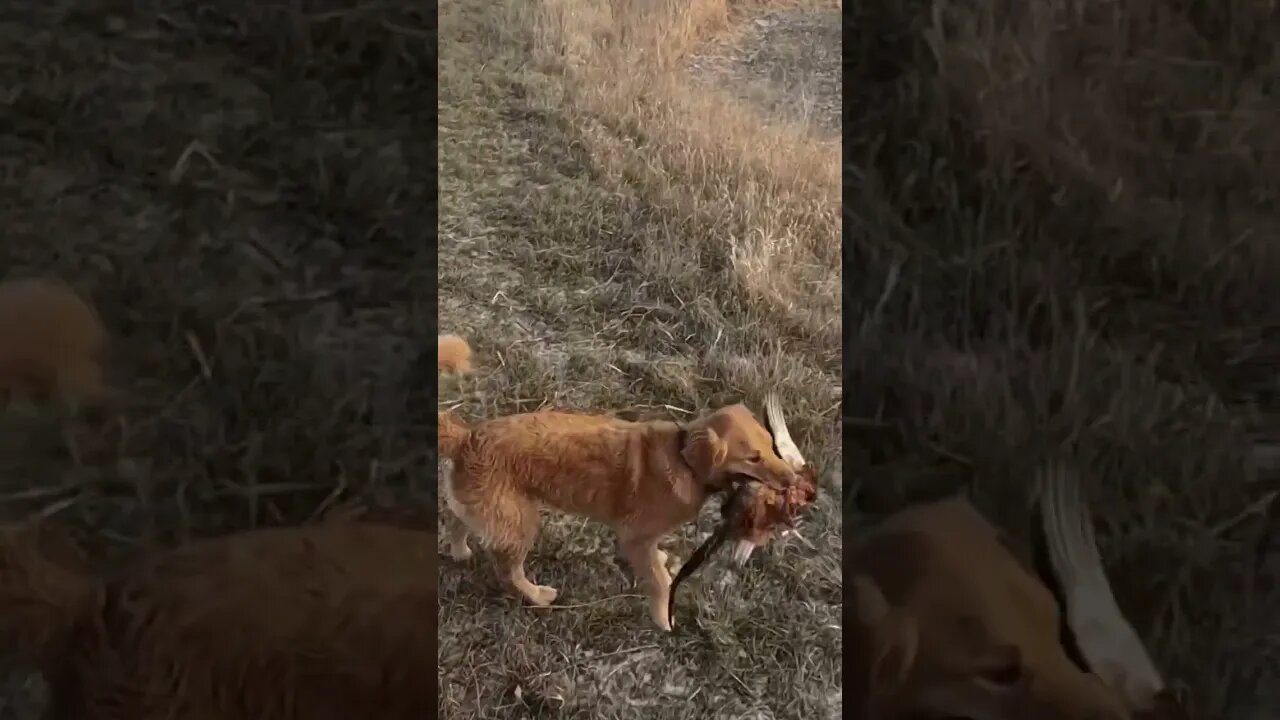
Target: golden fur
(453, 355)
(644, 479)
(326, 622)
(946, 620)
(51, 341)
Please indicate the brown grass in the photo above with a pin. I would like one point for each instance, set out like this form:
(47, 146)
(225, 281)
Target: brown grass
(1062, 240)
(243, 190)
(613, 236)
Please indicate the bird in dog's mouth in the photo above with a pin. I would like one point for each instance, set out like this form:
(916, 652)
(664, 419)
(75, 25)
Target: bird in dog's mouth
(755, 510)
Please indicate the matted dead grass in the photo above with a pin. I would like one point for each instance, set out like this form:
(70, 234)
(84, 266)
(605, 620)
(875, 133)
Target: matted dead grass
(1062, 228)
(614, 236)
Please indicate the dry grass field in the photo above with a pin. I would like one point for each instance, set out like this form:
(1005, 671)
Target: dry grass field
(244, 190)
(617, 233)
(1062, 224)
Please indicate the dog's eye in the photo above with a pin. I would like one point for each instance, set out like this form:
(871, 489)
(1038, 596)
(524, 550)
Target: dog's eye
(754, 458)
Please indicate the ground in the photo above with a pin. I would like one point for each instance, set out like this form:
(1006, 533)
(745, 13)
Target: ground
(621, 231)
(1061, 224)
(244, 190)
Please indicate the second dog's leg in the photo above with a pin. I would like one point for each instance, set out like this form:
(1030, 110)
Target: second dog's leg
(647, 561)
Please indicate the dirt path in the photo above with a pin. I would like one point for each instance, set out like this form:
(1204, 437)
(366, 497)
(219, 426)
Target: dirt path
(786, 62)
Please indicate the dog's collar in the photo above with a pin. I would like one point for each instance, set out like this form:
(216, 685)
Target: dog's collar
(682, 439)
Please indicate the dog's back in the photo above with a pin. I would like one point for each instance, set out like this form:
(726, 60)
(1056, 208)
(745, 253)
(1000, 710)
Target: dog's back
(324, 622)
(583, 463)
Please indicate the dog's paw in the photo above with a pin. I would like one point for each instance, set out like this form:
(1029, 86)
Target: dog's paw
(461, 553)
(542, 595)
(662, 622)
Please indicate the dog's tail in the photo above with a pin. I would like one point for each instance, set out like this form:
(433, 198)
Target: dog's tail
(52, 341)
(453, 354)
(451, 435)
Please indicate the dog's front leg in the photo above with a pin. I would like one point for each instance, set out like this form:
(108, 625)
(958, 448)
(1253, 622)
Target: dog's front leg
(648, 563)
(624, 565)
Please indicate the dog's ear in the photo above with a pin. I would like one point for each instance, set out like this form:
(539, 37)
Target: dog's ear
(889, 639)
(705, 452)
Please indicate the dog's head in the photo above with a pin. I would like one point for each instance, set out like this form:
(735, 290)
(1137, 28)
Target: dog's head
(770, 481)
(769, 477)
(730, 447)
(766, 508)
(951, 627)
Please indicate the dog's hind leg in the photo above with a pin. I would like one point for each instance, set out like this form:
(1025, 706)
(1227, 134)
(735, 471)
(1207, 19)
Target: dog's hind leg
(455, 523)
(506, 523)
(511, 566)
(511, 525)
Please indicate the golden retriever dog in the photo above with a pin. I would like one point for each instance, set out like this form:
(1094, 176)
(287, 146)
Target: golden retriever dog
(947, 623)
(644, 479)
(51, 342)
(331, 621)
